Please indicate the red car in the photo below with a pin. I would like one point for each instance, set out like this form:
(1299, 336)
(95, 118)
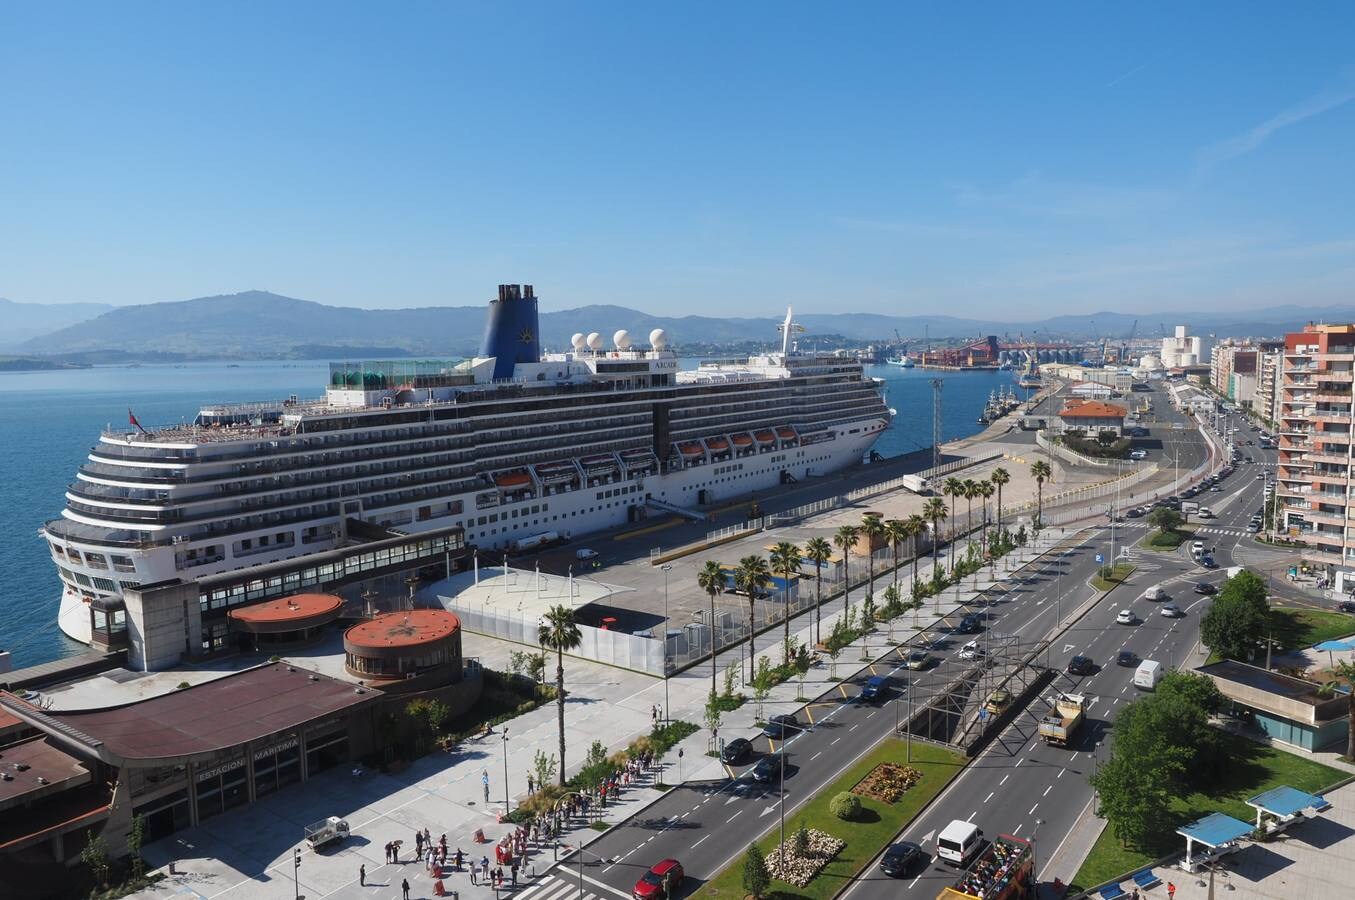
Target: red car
(661, 878)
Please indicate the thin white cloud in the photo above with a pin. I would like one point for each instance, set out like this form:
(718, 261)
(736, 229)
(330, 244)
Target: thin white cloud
(1034, 194)
(1244, 143)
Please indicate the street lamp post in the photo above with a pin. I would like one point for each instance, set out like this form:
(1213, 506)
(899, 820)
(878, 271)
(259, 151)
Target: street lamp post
(296, 868)
(505, 771)
(1034, 865)
(666, 568)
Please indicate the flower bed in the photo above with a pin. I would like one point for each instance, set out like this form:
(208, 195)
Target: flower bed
(887, 782)
(800, 870)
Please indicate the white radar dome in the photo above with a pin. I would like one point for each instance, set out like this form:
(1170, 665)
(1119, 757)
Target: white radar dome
(578, 341)
(594, 341)
(621, 339)
(658, 338)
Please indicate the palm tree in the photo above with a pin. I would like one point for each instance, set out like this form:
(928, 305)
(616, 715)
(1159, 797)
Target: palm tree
(1040, 471)
(712, 581)
(873, 529)
(896, 532)
(952, 488)
(969, 489)
(751, 576)
(935, 510)
(845, 540)
(986, 491)
(916, 525)
(559, 632)
(818, 551)
(999, 477)
(1346, 670)
(786, 562)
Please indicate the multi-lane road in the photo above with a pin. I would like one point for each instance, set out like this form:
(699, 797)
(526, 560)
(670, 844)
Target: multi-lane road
(1017, 785)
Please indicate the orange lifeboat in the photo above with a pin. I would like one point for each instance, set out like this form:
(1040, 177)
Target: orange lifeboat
(717, 445)
(690, 448)
(512, 480)
(786, 434)
(764, 437)
(742, 440)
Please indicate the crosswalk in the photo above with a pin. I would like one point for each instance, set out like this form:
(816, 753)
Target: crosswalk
(1208, 529)
(564, 886)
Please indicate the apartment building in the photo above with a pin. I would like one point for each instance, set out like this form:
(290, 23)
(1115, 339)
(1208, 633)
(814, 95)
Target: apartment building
(1315, 468)
(1233, 371)
(1268, 380)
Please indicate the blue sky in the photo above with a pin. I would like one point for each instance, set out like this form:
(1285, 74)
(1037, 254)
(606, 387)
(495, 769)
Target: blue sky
(1004, 160)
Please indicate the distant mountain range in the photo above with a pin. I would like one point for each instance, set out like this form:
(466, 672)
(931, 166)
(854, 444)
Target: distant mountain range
(258, 324)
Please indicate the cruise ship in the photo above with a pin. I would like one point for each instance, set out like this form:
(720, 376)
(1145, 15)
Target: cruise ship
(505, 446)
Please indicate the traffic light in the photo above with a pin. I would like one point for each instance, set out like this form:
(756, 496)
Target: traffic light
(296, 858)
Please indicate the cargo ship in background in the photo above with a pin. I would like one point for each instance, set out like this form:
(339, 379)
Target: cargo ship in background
(504, 446)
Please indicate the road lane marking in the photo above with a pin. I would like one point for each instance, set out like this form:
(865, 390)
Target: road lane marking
(972, 815)
(1004, 779)
(1032, 809)
(989, 797)
(816, 756)
(733, 817)
(1061, 771)
(834, 741)
(1047, 790)
(698, 843)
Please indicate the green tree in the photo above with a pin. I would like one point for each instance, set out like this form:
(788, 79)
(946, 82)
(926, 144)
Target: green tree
(763, 682)
(801, 841)
(756, 878)
(430, 714)
(818, 551)
(1234, 624)
(896, 532)
(136, 837)
(751, 576)
(969, 489)
(999, 477)
(559, 632)
(1041, 472)
(916, 526)
(544, 766)
(711, 578)
(872, 528)
(1134, 800)
(786, 561)
(1164, 519)
(95, 858)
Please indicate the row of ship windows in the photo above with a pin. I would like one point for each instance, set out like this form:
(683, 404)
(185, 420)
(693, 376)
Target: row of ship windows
(745, 475)
(94, 560)
(489, 532)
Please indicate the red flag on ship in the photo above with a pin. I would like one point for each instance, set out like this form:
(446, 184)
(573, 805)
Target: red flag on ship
(131, 420)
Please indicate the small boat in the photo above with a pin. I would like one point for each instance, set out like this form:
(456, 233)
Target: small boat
(742, 440)
(511, 480)
(691, 448)
(717, 444)
(599, 461)
(902, 362)
(764, 437)
(786, 434)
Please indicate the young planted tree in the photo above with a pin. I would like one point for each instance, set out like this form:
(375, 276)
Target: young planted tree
(756, 878)
(711, 578)
(751, 576)
(559, 632)
(896, 532)
(786, 562)
(916, 526)
(935, 510)
(818, 551)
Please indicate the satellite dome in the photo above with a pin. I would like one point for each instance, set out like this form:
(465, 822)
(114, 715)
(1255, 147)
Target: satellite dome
(658, 338)
(621, 339)
(578, 341)
(594, 341)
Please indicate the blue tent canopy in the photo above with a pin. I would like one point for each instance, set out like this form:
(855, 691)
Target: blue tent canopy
(1286, 801)
(1215, 830)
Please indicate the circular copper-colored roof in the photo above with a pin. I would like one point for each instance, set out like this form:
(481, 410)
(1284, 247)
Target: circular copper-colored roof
(288, 613)
(402, 629)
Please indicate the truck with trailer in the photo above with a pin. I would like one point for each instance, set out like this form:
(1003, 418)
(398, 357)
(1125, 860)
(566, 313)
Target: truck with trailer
(917, 484)
(326, 831)
(1005, 870)
(1059, 724)
(535, 541)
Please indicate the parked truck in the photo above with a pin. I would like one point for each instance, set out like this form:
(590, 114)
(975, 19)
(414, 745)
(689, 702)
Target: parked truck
(1005, 870)
(1062, 722)
(917, 484)
(326, 831)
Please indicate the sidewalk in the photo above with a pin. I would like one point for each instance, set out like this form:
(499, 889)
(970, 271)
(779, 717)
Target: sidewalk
(247, 853)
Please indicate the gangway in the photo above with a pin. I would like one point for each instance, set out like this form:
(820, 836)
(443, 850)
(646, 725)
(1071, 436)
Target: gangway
(677, 510)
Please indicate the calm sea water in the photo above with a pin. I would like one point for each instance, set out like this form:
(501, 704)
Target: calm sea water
(49, 421)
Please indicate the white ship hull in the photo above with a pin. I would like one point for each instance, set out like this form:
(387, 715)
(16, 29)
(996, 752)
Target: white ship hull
(582, 511)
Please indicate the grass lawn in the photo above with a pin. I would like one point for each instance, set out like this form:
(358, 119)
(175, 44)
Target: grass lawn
(1167, 541)
(1118, 575)
(866, 837)
(1297, 628)
(1252, 768)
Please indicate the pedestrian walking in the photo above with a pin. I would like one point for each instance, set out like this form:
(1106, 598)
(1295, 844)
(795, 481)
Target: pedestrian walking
(473, 870)
(514, 870)
(362, 876)
(484, 779)
(459, 857)
(1171, 891)
(404, 886)
(418, 844)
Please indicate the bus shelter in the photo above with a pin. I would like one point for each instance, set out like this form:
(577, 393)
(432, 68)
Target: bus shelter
(1281, 807)
(1217, 833)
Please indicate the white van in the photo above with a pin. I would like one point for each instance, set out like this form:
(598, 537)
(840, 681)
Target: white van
(1155, 593)
(959, 842)
(1147, 675)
